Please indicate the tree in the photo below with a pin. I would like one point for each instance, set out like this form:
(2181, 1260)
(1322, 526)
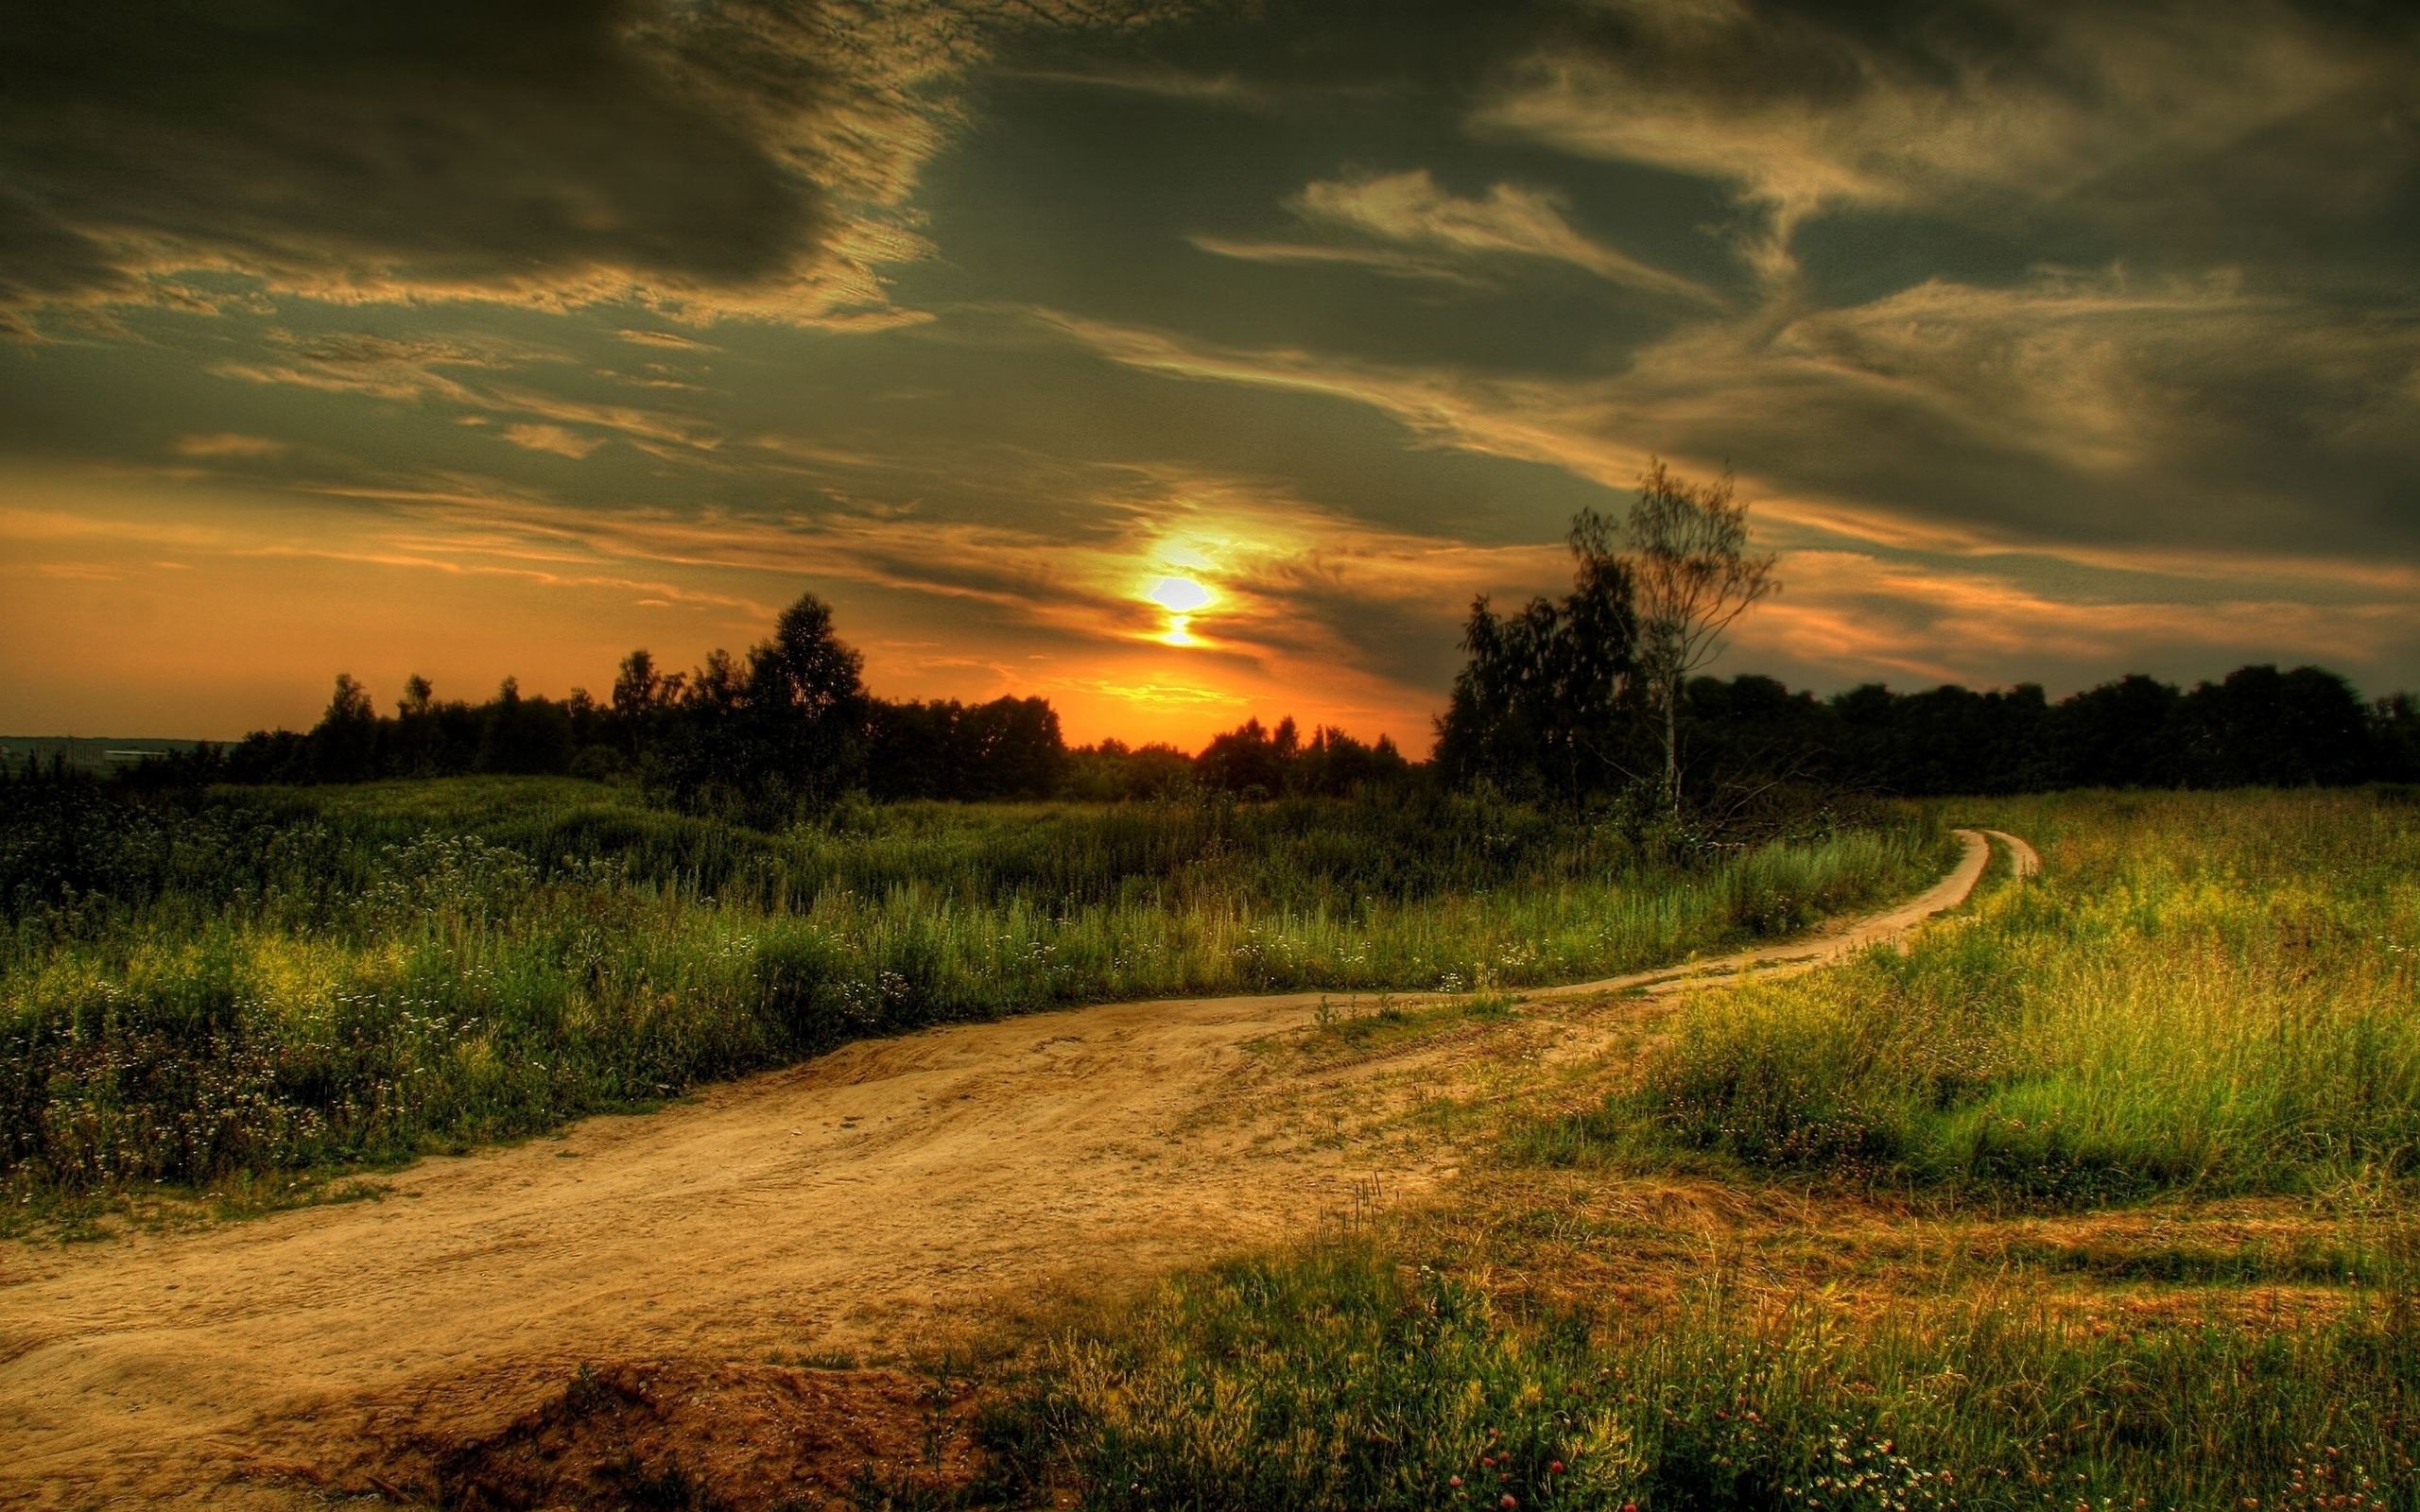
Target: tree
(804, 709)
(2260, 727)
(638, 688)
(1252, 759)
(1691, 575)
(642, 700)
(525, 736)
(1011, 748)
(2118, 734)
(344, 748)
(2395, 738)
(815, 671)
(1536, 703)
(415, 739)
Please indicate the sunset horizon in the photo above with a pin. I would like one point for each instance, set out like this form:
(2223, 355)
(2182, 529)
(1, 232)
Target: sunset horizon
(1210, 755)
(2046, 346)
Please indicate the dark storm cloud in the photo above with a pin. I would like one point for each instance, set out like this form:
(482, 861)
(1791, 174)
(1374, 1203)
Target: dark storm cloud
(453, 144)
(729, 155)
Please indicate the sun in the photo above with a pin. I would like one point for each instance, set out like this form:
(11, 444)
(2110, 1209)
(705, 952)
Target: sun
(1181, 597)
(1178, 596)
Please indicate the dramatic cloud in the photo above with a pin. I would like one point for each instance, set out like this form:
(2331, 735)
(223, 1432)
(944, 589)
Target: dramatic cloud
(2048, 341)
(730, 156)
(1990, 103)
(1385, 260)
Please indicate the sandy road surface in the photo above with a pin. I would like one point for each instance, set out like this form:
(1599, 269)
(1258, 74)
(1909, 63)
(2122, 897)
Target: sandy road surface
(2021, 857)
(845, 1203)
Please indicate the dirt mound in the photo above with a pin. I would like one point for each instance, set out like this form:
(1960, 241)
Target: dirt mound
(682, 1434)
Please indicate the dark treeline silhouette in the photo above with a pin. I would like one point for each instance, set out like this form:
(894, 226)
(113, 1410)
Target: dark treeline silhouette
(2257, 726)
(786, 731)
(1550, 707)
(1586, 698)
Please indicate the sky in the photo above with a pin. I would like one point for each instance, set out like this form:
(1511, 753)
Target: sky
(1180, 362)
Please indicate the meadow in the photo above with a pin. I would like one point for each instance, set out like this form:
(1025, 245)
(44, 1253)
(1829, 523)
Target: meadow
(2101, 1197)
(216, 988)
(2216, 994)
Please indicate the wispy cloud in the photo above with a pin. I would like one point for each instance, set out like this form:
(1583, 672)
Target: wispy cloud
(1847, 610)
(1582, 428)
(1515, 220)
(1224, 89)
(229, 444)
(554, 439)
(1802, 117)
(466, 378)
(671, 339)
(1389, 261)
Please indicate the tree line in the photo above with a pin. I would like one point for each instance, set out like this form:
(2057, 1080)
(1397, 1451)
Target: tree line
(1598, 693)
(704, 740)
(2257, 726)
(784, 731)
(1596, 697)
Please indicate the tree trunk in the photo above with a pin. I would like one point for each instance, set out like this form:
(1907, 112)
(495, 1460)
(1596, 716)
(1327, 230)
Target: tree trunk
(1671, 748)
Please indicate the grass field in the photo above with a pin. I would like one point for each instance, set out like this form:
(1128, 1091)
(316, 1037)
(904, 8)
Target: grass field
(199, 991)
(2101, 1197)
(2212, 993)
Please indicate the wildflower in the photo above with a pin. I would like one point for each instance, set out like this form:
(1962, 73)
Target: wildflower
(1508, 1502)
(1554, 1467)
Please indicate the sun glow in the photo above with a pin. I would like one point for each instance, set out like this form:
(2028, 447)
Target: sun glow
(1181, 597)
(1178, 596)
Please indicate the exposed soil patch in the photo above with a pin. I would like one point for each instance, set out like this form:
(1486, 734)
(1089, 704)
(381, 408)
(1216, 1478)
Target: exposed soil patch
(682, 1435)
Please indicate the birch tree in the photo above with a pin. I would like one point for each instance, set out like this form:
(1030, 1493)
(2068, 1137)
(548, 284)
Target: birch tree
(1692, 575)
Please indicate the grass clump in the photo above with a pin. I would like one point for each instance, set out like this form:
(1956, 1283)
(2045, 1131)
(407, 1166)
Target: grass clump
(2212, 992)
(1329, 1381)
(1339, 1378)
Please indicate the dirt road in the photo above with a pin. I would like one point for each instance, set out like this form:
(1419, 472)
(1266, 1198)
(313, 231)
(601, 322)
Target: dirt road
(848, 1203)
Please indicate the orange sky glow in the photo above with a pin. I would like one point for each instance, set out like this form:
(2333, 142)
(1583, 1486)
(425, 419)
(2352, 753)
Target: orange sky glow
(1184, 363)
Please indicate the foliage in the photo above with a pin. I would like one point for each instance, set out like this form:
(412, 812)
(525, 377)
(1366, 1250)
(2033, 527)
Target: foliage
(1693, 577)
(2209, 993)
(1537, 705)
(1258, 763)
(783, 734)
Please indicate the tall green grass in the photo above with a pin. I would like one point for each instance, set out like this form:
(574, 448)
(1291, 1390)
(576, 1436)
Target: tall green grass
(1337, 1379)
(198, 988)
(2210, 991)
